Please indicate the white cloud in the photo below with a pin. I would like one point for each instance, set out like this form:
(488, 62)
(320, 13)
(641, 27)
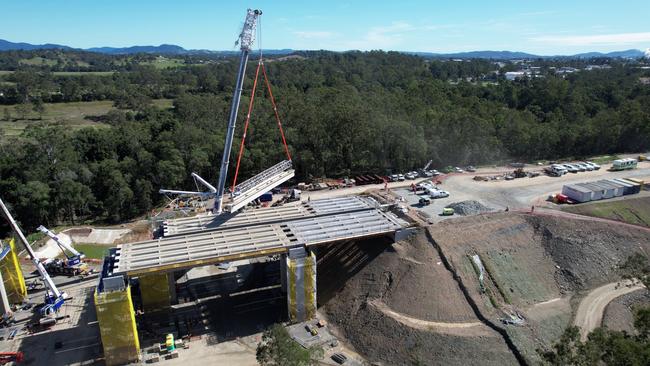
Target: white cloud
(313, 34)
(599, 39)
(382, 37)
(647, 52)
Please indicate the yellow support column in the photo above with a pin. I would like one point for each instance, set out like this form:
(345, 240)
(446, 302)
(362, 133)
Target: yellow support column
(154, 291)
(117, 327)
(12, 276)
(301, 284)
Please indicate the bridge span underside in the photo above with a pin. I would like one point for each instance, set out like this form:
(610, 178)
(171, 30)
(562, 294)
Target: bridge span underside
(210, 239)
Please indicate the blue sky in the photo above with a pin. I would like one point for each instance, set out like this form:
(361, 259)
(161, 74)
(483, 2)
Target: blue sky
(542, 27)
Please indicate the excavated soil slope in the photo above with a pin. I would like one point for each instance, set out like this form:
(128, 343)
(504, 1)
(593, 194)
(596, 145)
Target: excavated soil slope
(619, 314)
(534, 264)
(397, 304)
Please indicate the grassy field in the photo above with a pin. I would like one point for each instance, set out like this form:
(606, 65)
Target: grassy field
(37, 61)
(74, 115)
(633, 211)
(165, 63)
(69, 73)
(97, 251)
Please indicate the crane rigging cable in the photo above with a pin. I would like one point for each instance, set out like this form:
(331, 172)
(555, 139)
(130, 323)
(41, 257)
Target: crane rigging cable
(260, 65)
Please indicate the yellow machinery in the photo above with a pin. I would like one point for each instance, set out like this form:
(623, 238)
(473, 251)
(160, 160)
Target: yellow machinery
(12, 276)
(117, 325)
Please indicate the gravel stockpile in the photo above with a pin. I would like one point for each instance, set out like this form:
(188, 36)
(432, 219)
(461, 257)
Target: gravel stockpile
(467, 208)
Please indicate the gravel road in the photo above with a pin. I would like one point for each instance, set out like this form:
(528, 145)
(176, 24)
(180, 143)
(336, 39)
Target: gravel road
(591, 308)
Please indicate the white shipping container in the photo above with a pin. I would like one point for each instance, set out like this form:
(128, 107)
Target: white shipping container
(608, 191)
(577, 193)
(596, 191)
(618, 188)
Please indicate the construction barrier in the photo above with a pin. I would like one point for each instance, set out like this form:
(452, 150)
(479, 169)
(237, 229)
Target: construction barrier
(117, 326)
(12, 276)
(301, 283)
(154, 291)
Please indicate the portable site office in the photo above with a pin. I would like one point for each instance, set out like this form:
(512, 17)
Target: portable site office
(577, 193)
(628, 187)
(618, 188)
(596, 191)
(605, 190)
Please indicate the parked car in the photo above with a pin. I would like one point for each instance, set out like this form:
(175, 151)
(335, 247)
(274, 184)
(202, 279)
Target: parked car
(579, 167)
(586, 166)
(555, 170)
(570, 168)
(434, 172)
(424, 201)
(471, 169)
(458, 170)
(439, 194)
(447, 211)
(594, 165)
(400, 177)
(411, 175)
(394, 178)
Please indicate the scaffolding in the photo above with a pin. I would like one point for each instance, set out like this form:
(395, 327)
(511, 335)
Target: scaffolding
(12, 276)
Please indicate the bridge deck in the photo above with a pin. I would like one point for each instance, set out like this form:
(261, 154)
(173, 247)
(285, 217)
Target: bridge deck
(257, 233)
(290, 211)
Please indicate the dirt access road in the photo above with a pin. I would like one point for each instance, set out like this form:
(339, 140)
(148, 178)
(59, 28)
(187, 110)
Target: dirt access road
(591, 308)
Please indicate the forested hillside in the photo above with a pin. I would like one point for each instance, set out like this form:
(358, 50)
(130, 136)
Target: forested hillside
(343, 114)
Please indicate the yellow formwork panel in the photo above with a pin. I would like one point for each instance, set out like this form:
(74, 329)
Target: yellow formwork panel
(310, 285)
(117, 327)
(154, 291)
(12, 274)
(291, 294)
(301, 282)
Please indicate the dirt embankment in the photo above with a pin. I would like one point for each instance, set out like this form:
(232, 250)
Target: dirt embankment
(397, 304)
(533, 265)
(619, 314)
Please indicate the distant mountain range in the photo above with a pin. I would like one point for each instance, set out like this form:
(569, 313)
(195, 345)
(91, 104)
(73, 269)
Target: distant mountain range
(509, 55)
(171, 49)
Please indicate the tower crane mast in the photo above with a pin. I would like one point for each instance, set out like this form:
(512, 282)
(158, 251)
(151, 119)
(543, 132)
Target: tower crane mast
(246, 39)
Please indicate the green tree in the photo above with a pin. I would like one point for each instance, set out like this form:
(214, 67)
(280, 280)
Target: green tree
(23, 109)
(39, 107)
(73, 199)
(278, 349)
